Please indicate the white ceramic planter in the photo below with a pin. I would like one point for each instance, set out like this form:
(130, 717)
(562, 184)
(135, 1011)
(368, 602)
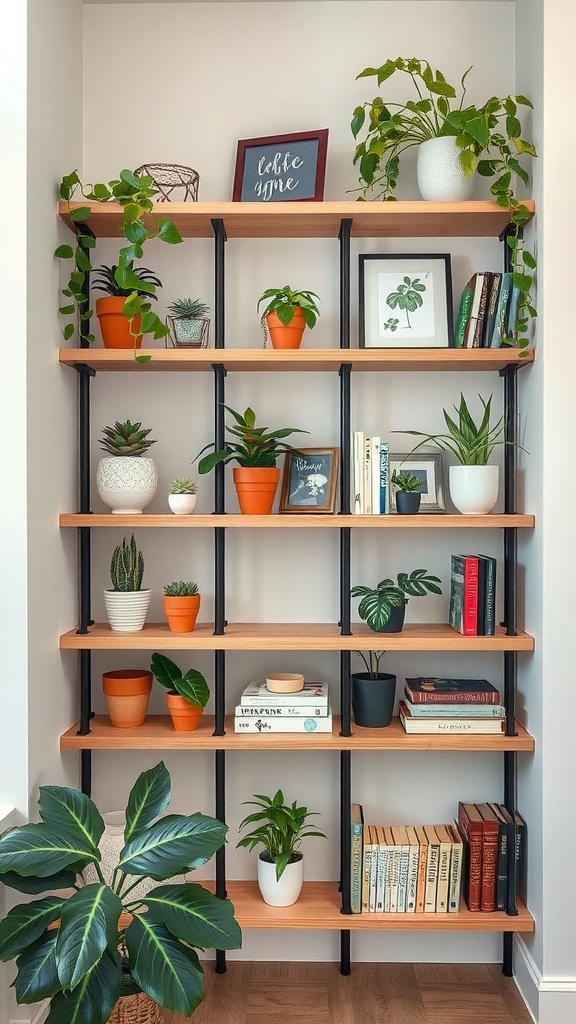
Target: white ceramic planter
(127, 483)
(285, 892)
(182, 504)
(474, 489)
(439, 172)
(126, 609)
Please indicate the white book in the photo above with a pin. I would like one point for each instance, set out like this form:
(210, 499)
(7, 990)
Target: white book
(264, 724)
(472, 726)
(455, 870)
(282, 711)
(414, 859)
(403, 854)
(431, 869)
(314, 694)
(358, 472)
(375, 474)
(384, 488)
(367, 473)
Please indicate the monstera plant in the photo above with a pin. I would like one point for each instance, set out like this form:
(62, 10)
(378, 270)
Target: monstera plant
(80, 945)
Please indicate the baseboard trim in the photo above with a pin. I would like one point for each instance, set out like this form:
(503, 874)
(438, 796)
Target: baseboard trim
(549, 1000)
(39, 1016)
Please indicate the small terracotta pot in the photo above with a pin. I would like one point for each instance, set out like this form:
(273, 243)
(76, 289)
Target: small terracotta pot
(256, 489)
(114, 325)
(127, 692)
(181, 613)
(185, 716)
(286, 335)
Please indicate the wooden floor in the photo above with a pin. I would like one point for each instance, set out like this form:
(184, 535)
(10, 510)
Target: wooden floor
(266, 993)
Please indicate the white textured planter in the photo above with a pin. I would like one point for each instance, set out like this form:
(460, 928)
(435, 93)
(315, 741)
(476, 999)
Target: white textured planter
(474, 489)
(127, 483)
(285, 892)
(439, 172)
(182, 504)
(126, 609)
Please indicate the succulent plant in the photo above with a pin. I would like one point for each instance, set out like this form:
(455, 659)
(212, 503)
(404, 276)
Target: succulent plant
(182, 485)
(188, 309)
(406, 482)
(125, 439)
(180, 589)
(127, 566)
(108, 283)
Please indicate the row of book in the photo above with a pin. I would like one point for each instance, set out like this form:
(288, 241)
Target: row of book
(432, 704)
(494, 841)
(473, 594)
(488, 311)
(261, 711)
(370, 473)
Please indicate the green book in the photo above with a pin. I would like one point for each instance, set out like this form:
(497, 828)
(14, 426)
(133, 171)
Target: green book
(356, 859)
(464, 313)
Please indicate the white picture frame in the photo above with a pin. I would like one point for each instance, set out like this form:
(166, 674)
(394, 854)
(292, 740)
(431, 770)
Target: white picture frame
(430, 467)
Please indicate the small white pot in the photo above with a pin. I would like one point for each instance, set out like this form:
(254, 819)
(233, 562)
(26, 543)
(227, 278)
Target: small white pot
(127, 483)
(285, 891)
(439, 172)
(474, 489)
(182, 504)
(126, 609)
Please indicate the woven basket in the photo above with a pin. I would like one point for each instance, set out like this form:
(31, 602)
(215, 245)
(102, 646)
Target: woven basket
(136, 1009)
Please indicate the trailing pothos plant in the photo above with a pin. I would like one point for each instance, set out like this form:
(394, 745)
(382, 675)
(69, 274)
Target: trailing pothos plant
(80, 946)
(438, 109)
(135, 195)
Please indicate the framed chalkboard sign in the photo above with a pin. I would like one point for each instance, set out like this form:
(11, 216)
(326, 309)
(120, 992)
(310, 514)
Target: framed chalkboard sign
(281, 168)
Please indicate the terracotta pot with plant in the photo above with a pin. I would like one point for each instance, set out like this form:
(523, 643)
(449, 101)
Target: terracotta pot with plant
(287, 314)
(187, 694)
(118, 329)
(126, 478)
(256, 451)
(181, 605)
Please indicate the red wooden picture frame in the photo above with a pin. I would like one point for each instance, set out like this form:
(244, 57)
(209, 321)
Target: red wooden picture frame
(276, 180)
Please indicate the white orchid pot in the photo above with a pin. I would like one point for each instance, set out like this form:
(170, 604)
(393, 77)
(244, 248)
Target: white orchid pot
(127, 609)
(284, 891)
(127, 483)
(439, 171)
(182, 504)
(474, 489)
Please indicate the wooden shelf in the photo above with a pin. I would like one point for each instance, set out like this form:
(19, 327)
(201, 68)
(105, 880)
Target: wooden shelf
(319, 907)
(422, 521)
(307, 636)
(251, 360)
(158, 733)
(414, 219)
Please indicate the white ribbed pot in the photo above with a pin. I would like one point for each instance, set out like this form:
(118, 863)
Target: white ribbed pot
(285, 891)
(127, 483)
(474, 489)
(182, 504)
(126, 609)
(439, 171)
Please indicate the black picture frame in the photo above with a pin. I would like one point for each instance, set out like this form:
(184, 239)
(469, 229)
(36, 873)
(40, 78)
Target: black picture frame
(281, 168)
(309, 480)
(417, 323)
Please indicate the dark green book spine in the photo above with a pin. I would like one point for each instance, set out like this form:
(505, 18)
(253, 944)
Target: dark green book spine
(463, 315)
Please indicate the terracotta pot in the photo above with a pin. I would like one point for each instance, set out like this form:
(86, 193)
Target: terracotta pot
(185, 716)
(182, 613)
(114, 325)
(256, 489)
(286, 335)
(127, 692)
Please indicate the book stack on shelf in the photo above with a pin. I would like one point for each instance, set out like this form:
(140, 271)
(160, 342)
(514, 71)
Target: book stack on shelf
(473, 594)
(487, 312)
(491, 836)
(435, 705)
(370, 467)
(261, 711)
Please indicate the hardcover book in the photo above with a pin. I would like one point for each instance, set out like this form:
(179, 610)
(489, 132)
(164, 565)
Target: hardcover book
(381, 865)
(431, 869)
(490, 317)
(384, 472)
(463, 613)
(431, 726)
(422, 865)
(264, 724)
(473, 329)
(463, 313)
(470, 709)
(499, 332)
(282, 711)
(489, 857)
(257, 694)
(435, 689)
(414, 858)
(501, 892)
(456, 870)
(488, 615)
(443, 869)
(471, 827)
(400, 836)
(356, 828)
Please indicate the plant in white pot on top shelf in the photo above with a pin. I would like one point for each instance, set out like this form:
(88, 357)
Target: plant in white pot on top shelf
(127, 603)
(280, 828)
(182, 493)
(126, 479)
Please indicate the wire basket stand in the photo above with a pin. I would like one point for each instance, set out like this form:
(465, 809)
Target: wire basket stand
(168, 178)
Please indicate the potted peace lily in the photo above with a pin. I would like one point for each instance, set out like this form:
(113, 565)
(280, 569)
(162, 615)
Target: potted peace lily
(287, 314)
(96, 950)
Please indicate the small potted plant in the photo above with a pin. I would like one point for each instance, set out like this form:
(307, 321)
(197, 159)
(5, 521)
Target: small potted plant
(286, 315)
(187, 694)
(256, 451)
(280, 828)
(181, 606)
(373, 692)
(126, 478)
(408, 494)
(118, 330)
(384, 607)
(94, 950)
(182, 495)
(188, 322)
(126, 603)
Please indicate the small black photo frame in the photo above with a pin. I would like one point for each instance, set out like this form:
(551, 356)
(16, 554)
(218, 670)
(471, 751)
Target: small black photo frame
(281, 168)
(405, 300)
(309, 480)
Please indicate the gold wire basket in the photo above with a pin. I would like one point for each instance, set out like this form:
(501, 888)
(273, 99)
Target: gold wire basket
(170, 178)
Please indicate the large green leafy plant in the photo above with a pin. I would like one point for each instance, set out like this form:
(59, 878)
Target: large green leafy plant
(470, 443)
(280, 828)
(377, 603)
(256, 446)
(76, 948)
(488, 137)
(285, 301)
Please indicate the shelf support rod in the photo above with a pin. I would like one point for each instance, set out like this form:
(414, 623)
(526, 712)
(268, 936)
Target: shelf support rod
(84, 497)
(219, 281)
(344, 237)
(345, 844)
(220, 778)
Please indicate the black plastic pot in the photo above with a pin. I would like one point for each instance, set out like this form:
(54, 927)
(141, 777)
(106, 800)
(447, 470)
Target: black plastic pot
(373, 699)
(396, 621)
(407, 502)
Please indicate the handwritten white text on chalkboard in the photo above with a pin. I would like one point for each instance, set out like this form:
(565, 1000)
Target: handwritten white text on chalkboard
(275, 175)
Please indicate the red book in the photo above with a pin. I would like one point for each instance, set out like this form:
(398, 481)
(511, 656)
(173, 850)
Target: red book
(463, 614)
(471, 825)
(490, 837)
(436, 690)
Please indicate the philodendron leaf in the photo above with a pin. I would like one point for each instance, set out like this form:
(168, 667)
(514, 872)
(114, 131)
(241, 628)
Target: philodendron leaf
(89, 923)
(195, 916)
(37, 976)
(74, 811)
(26, 923)
(149, 796)
(194, 688)
(93, 999)
(168, 971)
(33, 886)
(165, 670)
(171, 845)
(39, 850)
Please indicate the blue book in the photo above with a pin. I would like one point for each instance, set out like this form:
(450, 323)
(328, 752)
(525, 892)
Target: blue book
(501, 318)
(512, 311)
(384, 468)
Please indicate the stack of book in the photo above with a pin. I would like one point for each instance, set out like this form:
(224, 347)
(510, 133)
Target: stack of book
(435, 705)
(405, 869)
(473, 594)
(370, 475)
(490, 834)
(261, 711)
(488, 311)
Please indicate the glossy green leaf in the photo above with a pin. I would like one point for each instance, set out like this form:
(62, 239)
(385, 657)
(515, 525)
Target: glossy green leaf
(93, 999)
(39, 850)
(194, 688)
(165, 968)
(80, 214)
(195, 916)
(89, 923)
(173, 844)
(168, 232)
(74, 811)
(37, 976)
(33, 886)
(165, 671)
(149, 796)
(26, 923)
(64, 252)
